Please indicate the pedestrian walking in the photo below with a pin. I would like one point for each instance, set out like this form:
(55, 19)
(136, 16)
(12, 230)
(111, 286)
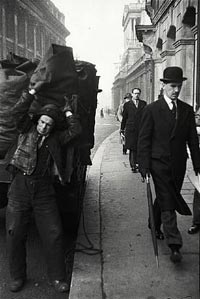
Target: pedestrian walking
(167, 127)
(195, 227)
(127, 98)
(34, 164)
(131, 117)
(101, 113)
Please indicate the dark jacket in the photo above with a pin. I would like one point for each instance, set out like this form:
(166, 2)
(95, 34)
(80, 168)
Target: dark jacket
(24, 157)
(162, 148)
(131, 117)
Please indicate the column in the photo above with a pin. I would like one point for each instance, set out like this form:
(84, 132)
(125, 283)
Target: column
(16, 34)
(4, 32)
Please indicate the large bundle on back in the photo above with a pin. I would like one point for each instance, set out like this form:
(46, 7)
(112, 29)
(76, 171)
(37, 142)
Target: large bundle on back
(86, 105)
(57, 70)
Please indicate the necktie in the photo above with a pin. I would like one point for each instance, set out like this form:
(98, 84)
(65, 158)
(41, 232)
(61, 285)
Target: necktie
(173, 109)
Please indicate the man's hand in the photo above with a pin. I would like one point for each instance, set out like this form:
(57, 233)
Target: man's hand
(122, 132)
(35, 87)
(144, 172)
(68, 113)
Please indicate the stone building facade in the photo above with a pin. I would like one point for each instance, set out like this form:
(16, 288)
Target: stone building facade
(27, 28)
(135, 66)
(170, 39)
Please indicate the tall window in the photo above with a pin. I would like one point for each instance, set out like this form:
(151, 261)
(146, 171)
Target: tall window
(30, 34)
(21, 28)
(10, 27)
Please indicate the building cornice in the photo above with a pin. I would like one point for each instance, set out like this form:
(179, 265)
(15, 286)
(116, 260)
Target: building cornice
(156, 15)
(167, 53)
(180, 42)
(194, 29)
(143, 29)
(41, 11)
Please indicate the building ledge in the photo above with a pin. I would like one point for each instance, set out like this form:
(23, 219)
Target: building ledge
(143, 29)
(186, 41)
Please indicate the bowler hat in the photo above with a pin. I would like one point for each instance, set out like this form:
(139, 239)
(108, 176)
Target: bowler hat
(128, 95)
(173, 74)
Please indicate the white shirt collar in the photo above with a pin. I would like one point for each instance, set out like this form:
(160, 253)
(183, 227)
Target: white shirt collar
(169, 101)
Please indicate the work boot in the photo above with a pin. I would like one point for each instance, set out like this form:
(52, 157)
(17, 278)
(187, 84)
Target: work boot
(175, 256)
(16, 284)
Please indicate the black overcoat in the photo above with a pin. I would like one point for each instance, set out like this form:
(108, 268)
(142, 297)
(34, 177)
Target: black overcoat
(162, 148)
(131, 117)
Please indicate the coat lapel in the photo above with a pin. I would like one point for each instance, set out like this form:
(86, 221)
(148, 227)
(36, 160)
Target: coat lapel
(181, 116)
(165, 113)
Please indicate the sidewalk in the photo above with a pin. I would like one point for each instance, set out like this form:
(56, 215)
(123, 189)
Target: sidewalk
(115, 212)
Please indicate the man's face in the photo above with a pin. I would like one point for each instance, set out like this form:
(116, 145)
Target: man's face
(136, 94)
(172, 90)
(45, 125)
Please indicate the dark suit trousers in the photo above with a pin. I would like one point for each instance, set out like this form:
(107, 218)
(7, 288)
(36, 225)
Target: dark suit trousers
(132, 158)
(29, 194)
(196, 208)
(169, 221)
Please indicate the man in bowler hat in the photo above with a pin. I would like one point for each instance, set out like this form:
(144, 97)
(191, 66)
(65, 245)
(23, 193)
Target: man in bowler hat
(34, 164)
(167, 128)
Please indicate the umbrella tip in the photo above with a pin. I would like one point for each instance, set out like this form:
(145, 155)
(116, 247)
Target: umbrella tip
(157, 262)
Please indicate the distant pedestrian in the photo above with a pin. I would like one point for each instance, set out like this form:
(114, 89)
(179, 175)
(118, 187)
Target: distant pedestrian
(167, 127)
(131, 117)
(195, 227)
(101, 113)
(127, 98)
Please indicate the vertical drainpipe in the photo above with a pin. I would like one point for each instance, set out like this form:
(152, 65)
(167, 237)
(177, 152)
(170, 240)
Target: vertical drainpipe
(198, 58)
(152, 80)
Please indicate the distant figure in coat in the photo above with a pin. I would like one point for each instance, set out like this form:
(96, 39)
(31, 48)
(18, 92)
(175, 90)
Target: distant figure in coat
(127, 98)
(131, 117)
(101, 113)
(167, 127)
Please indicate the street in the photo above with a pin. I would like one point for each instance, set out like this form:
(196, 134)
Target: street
(37, 287)
(116, 222)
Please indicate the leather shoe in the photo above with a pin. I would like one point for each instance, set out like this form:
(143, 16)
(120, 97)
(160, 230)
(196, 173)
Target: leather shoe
(60, 286)
(194, 229)
(175, 256)
(17, 284)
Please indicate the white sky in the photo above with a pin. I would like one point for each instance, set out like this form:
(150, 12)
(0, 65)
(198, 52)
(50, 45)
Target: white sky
(96, 35)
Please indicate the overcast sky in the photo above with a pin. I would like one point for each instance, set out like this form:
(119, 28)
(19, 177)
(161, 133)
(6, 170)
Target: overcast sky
(96, 35)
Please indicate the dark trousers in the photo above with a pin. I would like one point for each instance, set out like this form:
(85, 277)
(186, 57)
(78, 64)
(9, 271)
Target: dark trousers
(132, 158)
(196, 208)
(169, 221)
(27, 194)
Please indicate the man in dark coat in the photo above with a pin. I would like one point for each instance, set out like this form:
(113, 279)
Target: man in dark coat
(34, 163)
(167, 128)
(131, 117)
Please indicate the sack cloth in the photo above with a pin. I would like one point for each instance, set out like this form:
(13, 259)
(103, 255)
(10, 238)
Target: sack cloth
(86, 105)
(12, 83)
(57, 70)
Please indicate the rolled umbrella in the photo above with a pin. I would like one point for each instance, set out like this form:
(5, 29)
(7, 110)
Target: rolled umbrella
(151, 220)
